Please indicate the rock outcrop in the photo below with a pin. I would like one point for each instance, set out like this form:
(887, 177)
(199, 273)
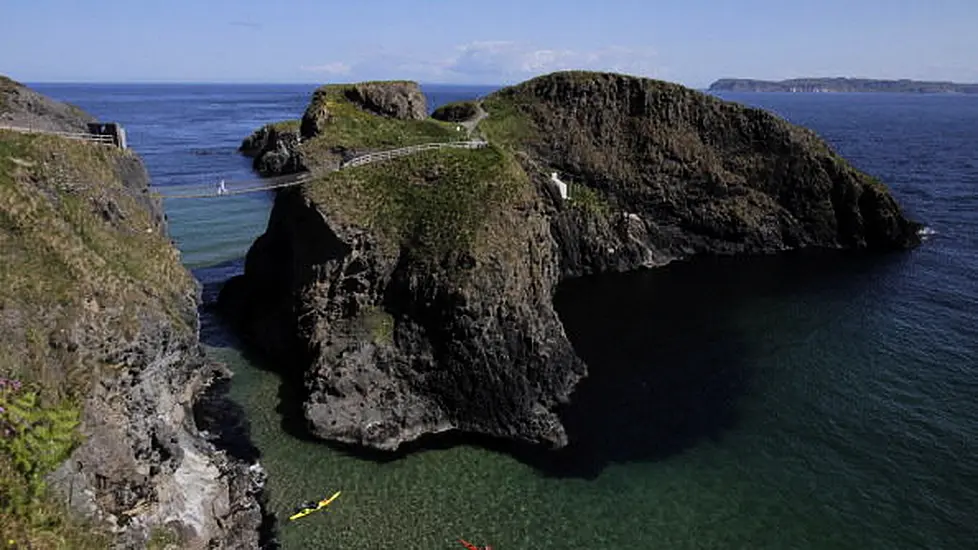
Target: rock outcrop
(663, 171)
(458, 111)
(96, 307)
(415, 295)
(275, 149)
(400, 100)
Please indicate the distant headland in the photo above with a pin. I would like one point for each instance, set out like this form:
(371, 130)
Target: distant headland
(838, 84)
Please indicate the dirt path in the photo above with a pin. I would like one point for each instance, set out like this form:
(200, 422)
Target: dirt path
(471, 124)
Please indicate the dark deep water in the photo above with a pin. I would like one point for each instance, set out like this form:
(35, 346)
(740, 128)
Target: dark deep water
(786, 402)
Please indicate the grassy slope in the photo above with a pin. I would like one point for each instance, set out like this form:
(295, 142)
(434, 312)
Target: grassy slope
(291, 125)
(64, 267)
(432, 203)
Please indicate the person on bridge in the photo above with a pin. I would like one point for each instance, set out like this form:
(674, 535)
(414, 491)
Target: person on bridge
(221, 189)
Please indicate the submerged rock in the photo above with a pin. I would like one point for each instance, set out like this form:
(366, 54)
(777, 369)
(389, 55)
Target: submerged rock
(414, 296)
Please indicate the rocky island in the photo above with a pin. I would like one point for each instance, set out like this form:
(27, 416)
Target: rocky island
(113, 428)
(838, 84)
(415, 295)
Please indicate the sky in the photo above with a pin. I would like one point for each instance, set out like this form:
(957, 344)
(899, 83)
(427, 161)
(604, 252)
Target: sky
(693, 42)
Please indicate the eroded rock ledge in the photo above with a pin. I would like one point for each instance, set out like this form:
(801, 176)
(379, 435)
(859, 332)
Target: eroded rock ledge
(415, 296)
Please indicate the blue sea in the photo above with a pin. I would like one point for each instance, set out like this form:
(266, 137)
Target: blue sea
(780, 402)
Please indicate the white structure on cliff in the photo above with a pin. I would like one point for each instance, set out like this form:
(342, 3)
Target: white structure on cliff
(561, 186)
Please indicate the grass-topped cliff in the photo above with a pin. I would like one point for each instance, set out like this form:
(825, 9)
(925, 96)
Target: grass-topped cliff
(415, 295)
(83, 266)
(352, 118)
(77, 244)
(98, 329)
(343, 120)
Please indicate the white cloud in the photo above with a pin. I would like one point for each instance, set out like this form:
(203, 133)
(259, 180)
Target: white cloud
(336, 67)
(496, 62)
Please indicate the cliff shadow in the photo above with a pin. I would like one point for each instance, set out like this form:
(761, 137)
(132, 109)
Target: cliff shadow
(667, 364)
(669, 361)
(218, 331)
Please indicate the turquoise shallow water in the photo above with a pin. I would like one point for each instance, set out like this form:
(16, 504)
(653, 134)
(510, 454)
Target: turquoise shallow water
(765, 403)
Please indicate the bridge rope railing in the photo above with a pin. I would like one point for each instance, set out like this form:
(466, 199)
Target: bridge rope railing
(95, 138)
(236, 187)
(404, 151)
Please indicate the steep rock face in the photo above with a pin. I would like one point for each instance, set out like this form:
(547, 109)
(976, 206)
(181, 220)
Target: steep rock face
(94, 304)
(22, 107)
(398, 333)
(275, 149)
(683, 173)
(400, 100)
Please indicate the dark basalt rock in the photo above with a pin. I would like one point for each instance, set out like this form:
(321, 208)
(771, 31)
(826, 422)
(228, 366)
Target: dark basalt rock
(275, 150)
(459, 111)
(400, 100)
(390, 347)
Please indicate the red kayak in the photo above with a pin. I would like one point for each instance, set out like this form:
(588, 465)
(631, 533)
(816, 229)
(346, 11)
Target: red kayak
(469, 546)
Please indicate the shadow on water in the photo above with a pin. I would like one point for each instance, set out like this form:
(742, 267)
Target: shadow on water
(667, 356)
(215, 331)
(668, 363)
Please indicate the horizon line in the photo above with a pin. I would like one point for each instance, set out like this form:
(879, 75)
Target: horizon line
(251, 82)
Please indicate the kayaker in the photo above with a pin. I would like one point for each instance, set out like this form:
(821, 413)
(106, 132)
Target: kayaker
(307, 506)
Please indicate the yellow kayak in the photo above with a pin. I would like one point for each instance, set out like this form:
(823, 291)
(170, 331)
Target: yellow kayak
(319, 506)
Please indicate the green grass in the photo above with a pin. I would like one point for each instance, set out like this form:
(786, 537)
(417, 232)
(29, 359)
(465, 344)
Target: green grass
(285, 126)
(433, 203)
(350, 127)
(162, 538)
(36, 435)
(585, 198)
(506, 124)
(379, 325)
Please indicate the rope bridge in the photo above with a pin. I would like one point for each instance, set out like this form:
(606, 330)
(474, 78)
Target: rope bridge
(238, 187)
(226, 187)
